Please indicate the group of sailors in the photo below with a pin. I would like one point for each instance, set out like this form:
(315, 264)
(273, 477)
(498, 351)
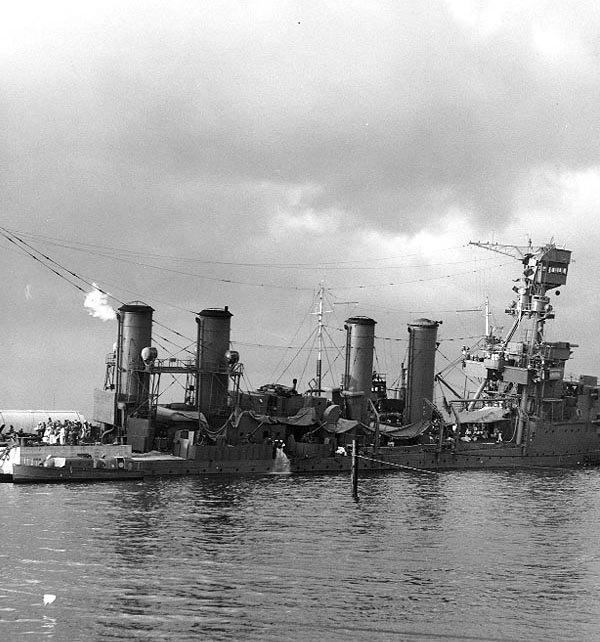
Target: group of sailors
(55, 432)
(65, 432)
(478, 433)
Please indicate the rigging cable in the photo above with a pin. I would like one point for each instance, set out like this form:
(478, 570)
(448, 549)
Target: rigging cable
(35, 254)
(285, 287)
(312, 335)
(32, 252)
(106, 251)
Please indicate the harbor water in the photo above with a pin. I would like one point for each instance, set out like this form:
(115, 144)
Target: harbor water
(478, 555)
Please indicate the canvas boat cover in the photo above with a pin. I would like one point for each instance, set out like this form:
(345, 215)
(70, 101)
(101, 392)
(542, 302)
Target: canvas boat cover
(402, 432)
(486, 415)
(168, 415)
(343, 426)
(304, 417)
(398, 432)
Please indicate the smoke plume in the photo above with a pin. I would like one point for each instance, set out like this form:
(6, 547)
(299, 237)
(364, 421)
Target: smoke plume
(97, 304)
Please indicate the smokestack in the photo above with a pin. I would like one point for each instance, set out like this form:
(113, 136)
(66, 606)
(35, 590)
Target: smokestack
(422, 345)
(214, 325)
(135, 334)
(358, 377)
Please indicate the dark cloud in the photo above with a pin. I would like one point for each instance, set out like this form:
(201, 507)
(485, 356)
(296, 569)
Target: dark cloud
(394, 112)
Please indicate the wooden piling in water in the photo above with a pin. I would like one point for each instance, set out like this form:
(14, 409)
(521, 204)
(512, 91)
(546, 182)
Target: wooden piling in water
(354, 472)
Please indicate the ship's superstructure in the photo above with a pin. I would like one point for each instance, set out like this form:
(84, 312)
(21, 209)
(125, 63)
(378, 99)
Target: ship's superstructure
(524, 373)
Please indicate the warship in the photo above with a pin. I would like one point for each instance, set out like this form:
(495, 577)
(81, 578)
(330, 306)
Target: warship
(523, 413)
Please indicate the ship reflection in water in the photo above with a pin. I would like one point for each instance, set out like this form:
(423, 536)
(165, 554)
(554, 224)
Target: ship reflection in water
(473, 555)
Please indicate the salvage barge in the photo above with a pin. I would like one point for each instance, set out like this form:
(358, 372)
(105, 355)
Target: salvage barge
(522, 411)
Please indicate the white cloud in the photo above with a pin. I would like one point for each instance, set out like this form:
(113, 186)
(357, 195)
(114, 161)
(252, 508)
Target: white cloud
(482, 17)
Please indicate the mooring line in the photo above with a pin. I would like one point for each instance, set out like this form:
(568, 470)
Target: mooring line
(390, 463)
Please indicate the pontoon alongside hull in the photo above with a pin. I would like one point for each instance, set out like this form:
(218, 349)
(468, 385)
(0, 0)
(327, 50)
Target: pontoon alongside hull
(25, 474)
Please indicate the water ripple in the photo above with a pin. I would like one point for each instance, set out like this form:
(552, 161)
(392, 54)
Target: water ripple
(469, 556)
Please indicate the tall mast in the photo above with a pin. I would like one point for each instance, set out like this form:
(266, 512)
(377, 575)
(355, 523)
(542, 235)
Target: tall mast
(318, 380)
(320, 339)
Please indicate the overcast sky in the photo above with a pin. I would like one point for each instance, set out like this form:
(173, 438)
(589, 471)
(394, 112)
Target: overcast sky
(164, 149)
